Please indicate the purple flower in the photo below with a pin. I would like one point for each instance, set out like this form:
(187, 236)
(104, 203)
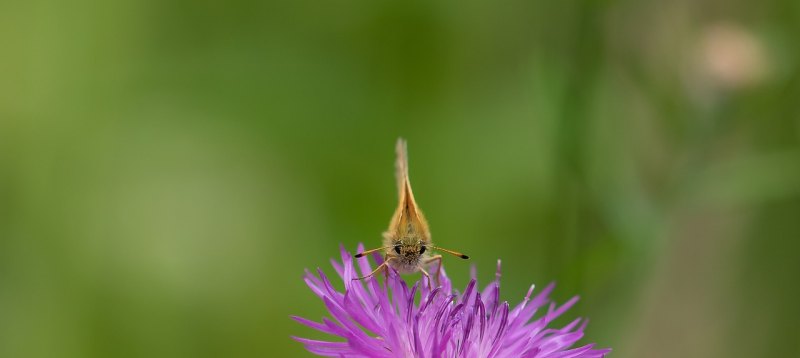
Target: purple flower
(384, 321)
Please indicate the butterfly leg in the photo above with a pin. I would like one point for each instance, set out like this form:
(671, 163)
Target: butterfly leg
(381, 267)
(425, 273)
(438, 267)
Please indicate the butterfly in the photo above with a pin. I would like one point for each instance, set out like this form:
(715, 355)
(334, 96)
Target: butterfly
(407, 242)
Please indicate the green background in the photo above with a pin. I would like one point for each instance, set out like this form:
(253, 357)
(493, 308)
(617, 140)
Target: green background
(169, 168)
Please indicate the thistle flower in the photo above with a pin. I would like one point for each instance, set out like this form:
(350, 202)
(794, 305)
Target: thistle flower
(385, 320)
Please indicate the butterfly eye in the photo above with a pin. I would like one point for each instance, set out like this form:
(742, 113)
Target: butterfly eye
(422, 250)
(397, 249)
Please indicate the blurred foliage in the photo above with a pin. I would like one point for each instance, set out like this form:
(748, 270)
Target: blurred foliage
(169, 168)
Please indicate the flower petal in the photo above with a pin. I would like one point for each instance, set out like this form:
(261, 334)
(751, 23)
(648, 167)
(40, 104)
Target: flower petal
(382, 319)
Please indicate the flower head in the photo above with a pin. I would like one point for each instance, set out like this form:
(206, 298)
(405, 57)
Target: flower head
(378, 320)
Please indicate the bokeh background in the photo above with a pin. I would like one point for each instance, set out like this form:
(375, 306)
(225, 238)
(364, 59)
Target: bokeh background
(169, 168)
